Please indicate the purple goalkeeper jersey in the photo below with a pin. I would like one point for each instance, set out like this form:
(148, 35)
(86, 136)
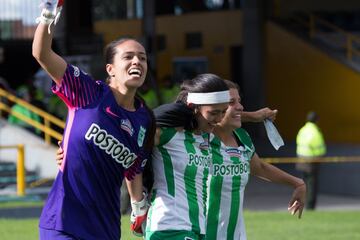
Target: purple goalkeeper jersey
(102, 143)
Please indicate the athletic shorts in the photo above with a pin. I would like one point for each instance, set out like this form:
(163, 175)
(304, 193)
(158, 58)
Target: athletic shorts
(50, 234)
(173, 235)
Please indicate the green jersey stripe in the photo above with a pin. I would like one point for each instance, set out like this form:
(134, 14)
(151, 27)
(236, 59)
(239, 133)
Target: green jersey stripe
(204, 190)
(214, 212)
(216, 182)
(235, 207)
(205, 152)
(165, 136)
(153, 196)
(189, 179)
(168, 169)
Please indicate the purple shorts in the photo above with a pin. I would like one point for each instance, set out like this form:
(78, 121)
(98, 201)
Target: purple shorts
(47, 234)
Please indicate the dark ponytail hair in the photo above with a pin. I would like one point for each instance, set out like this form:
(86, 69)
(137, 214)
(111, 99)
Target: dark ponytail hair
(231, 84)
(202, 83)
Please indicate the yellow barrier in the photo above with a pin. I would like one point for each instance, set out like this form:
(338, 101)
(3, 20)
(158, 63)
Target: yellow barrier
(48, 118)
(20, 168)
(315, 160)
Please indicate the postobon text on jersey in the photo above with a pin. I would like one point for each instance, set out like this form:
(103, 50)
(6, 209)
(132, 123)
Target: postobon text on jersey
(110, 145)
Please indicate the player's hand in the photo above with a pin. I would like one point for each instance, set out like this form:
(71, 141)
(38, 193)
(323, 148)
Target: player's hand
(59, 155)
(266, 113)
(297, 202)
(50, 13)
(138, 216)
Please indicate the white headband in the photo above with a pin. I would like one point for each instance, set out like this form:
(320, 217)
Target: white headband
(209, 98)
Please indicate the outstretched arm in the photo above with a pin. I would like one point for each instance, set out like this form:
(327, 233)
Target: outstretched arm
(273, 174)
(259, 115)
(51, 62)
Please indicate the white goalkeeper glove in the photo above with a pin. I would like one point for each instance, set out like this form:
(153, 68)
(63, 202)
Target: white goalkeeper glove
(50, 14)
(139, 215)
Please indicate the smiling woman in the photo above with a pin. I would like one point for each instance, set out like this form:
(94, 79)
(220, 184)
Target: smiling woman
(108, 137)
(181, 161)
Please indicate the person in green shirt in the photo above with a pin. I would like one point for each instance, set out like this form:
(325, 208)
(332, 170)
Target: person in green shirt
(23, 92)
(148, 94)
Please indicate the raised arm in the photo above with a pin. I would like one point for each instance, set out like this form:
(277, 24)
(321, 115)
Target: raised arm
(259, 115)
(50, 61)
(271, 173)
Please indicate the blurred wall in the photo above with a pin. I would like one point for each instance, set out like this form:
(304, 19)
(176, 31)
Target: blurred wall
(300, 77)
(220, 31)
(285, 8)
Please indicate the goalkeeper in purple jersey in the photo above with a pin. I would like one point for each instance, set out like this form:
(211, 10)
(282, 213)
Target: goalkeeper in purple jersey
(108, 136)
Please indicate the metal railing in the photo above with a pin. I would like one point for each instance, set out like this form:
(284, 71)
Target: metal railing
(20, 165)
(317, 27)
(48, 119)
(20, 168)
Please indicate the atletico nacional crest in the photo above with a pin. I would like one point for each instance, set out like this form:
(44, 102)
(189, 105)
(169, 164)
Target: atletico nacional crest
(141, 136)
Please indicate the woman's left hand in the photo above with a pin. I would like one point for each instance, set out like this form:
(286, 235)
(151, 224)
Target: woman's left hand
(297, 202)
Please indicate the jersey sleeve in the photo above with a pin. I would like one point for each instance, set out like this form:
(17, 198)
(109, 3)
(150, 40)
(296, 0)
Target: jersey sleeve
(77, 89)
(144, 153)
(174, 115)
(139, 165)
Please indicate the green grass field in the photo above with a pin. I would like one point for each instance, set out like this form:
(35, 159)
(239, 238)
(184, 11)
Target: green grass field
(316, 225)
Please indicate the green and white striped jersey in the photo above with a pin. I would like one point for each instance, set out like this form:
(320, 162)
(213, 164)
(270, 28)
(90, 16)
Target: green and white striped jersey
(229, 175)
(181, 169)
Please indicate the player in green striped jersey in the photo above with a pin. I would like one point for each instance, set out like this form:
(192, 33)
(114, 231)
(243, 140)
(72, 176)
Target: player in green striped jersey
(234, 159)
(181, 162)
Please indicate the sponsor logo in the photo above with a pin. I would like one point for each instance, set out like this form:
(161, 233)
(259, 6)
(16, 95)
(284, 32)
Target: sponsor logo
(108, 110)
(199, 160)
(240, 153)
(234, 152)
(144, 163)
(126, 126)
(141, 136)
(76, 71)
(110, 145)
(231, 169)
(204, 145)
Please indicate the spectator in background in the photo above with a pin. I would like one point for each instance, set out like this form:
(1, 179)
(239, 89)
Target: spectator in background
(169, 89)
(24, 93)
(310, 145)
(57, 107)
(148, 94)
